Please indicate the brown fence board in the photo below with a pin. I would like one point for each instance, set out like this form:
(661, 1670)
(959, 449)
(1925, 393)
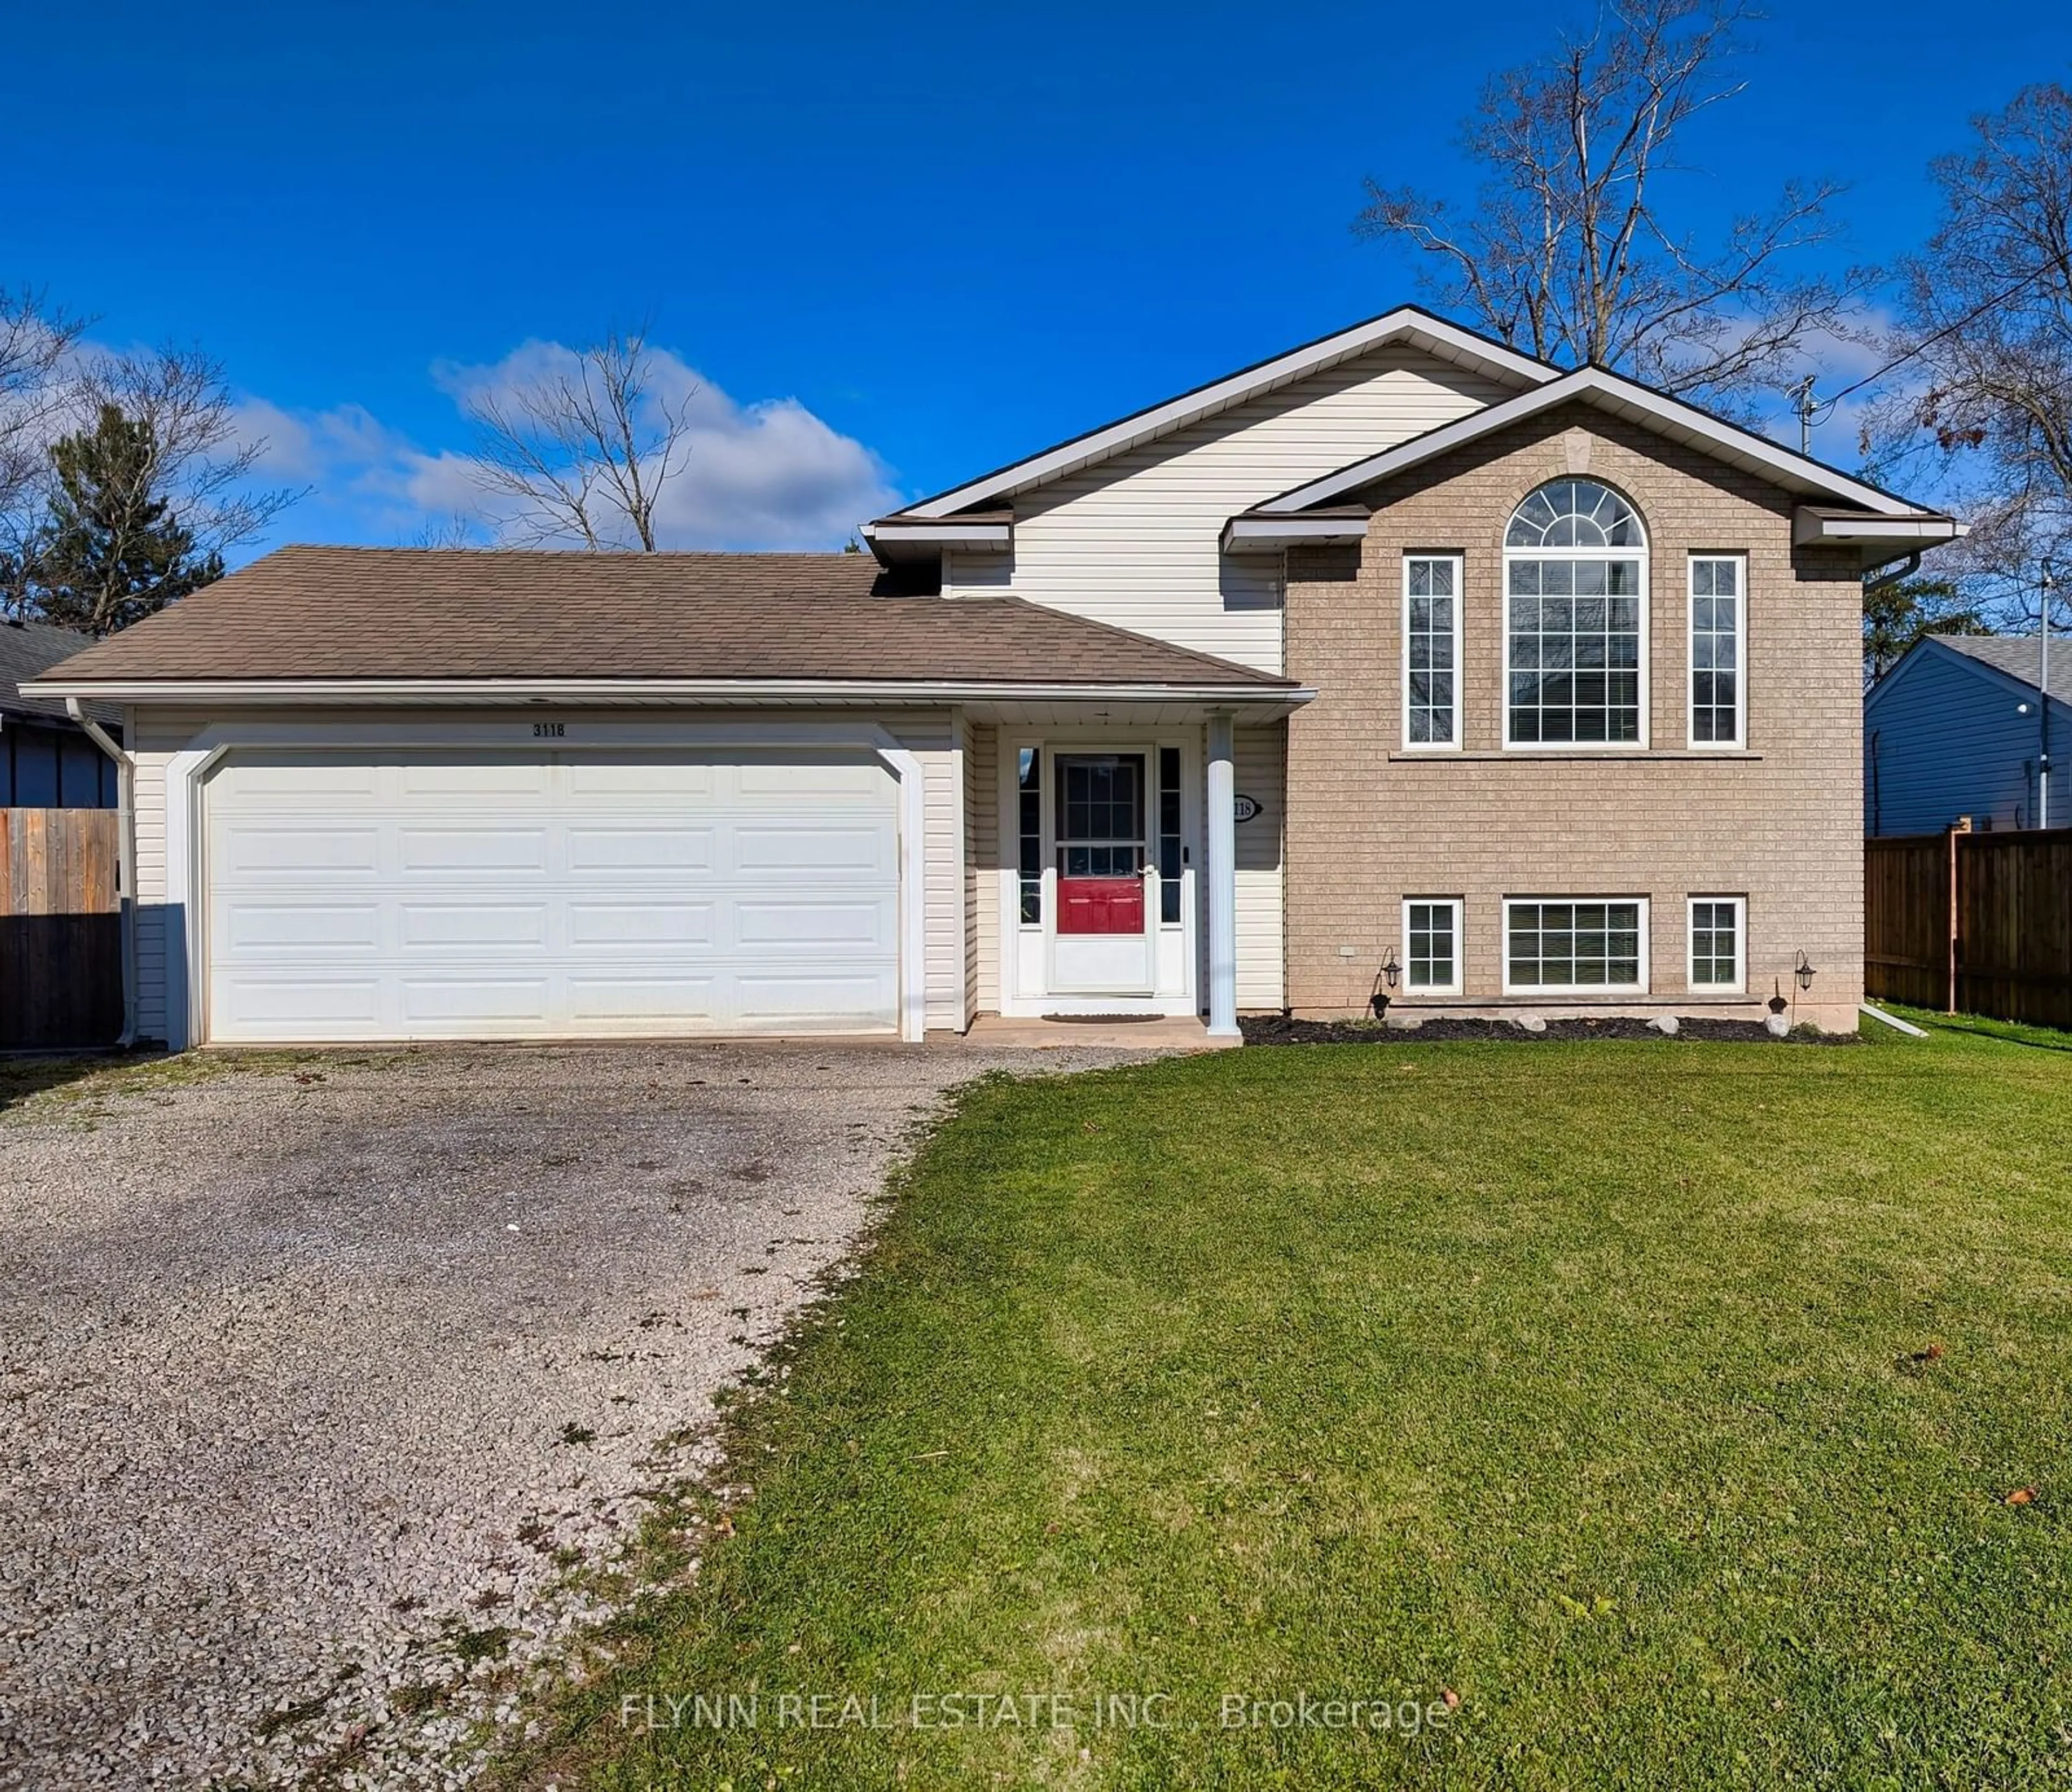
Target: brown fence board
(2006, 949)
(60, 929)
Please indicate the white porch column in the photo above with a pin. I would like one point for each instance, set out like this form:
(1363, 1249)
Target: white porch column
(1222, 881)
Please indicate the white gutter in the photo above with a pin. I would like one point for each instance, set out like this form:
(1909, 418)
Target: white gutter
(125, 859)
(355, 691)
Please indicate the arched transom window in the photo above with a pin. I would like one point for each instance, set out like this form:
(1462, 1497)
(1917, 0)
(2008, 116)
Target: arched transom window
(1575, 581)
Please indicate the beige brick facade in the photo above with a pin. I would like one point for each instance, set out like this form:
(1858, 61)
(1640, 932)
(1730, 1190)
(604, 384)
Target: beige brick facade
(1779, 824)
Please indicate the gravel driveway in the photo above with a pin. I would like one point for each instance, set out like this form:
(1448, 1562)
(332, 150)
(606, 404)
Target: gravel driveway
(318, 1374)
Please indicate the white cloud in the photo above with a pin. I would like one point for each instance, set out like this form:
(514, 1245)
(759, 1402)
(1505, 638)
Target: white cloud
(767, 474)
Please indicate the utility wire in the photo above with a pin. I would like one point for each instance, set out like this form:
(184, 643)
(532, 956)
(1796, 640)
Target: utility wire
(1820, 414)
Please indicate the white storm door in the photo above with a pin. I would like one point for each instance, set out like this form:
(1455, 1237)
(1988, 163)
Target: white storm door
(1102, 933)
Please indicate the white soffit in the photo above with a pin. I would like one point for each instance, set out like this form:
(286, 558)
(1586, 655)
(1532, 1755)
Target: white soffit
(1812, 525)
(1255, 534)
(1407, 325)
(903, 538)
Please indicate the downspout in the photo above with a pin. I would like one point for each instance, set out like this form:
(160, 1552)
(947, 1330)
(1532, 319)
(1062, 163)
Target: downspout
(125, 859)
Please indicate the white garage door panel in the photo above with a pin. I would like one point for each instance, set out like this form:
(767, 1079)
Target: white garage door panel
(470, 926)
(615, 925)
(479, 895)
(282, 1008)
(633, 849)
(675, 998)
(294, 852)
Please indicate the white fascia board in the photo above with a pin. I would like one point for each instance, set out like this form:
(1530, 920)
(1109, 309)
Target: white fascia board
(1419, 329)
(404, 693)
(1810, 528)
(1249, 534)
(1610, 391)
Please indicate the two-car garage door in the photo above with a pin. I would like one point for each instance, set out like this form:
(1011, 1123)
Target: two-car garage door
(550, 895)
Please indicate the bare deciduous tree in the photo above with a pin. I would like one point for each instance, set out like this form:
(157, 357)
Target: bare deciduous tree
(204, 467)
(579, 456)
(1571, 256)
(36, 341)
(1986, 313)
(184, 465)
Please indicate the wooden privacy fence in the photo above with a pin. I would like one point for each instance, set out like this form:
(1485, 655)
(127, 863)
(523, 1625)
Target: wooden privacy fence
(60, 929)
(1971, 923)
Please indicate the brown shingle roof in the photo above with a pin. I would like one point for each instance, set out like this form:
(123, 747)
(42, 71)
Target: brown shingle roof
(432, 614)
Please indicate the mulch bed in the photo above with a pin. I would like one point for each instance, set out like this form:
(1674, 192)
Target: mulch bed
(1280, 1030)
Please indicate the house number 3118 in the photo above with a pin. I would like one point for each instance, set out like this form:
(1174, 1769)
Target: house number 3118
(555, 729)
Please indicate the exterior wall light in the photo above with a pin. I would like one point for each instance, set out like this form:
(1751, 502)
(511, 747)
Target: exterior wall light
(1390, 971)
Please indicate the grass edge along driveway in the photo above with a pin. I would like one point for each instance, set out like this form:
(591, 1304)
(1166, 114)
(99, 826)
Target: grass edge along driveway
(1645, 1414)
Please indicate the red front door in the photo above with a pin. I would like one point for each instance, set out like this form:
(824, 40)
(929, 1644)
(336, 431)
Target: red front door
(1101, 840)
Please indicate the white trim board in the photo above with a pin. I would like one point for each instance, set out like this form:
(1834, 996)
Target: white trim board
(186, 933)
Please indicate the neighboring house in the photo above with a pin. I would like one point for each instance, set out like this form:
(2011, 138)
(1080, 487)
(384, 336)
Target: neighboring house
(1222, 706)
(1960, 727)
(47, 760)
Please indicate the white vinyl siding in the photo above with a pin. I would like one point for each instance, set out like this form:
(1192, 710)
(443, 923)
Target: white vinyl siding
(934, 743)
(1135, 540)
(153, 741)
(1718, 592)
(982, 833)
(1259, 758)
(1432, 600)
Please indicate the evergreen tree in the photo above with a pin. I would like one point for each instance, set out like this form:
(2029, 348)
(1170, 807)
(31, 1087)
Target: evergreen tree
(1898, 612)
(112, 551)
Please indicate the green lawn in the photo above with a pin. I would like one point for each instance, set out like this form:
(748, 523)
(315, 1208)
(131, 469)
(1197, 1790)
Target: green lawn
(1659, 1402)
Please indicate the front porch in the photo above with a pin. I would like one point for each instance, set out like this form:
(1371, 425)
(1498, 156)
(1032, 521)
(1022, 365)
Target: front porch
(1125, 869)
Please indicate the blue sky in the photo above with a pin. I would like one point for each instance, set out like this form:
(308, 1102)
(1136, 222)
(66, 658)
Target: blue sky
(907, 243)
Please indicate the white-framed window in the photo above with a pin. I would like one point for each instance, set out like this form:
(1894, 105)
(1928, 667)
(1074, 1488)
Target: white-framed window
(1719, 649)
(1432, 598)
(1575, 567)
(1575, 945)
(1432, 945)
(1719, 943)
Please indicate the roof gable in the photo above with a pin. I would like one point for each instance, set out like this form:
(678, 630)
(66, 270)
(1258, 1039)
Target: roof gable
(2018, 656)
(1614, 393)
(1407, 325)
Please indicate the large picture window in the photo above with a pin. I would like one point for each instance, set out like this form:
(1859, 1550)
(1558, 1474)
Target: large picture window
(1575, 591)
(1572, 947)
(1432, 651)
(1719, 611)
